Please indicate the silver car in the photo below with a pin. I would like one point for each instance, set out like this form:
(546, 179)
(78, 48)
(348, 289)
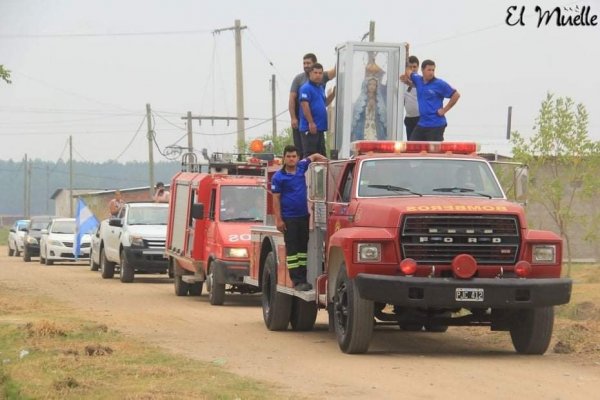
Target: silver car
(15, 237)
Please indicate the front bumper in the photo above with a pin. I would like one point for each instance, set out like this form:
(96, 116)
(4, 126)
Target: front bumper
(230, 272)
(148, 260)
(65, 253)
(444, 292)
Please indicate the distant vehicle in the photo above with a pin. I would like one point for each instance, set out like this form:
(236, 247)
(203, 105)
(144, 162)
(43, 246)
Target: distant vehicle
(15, 237)
(31, 244)
(57, 241)
(95, 246)
(135, 240)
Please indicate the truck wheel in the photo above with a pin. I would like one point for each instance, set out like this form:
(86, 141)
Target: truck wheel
(353, 316)
(93, 266)
(11, 251)
(216, 292)
(531, 330)
(276, 306)
(26, 256)
(127, 272)
(436, 328)
(107, 268)
(181, 287)
(17, 252)
(195, 289)
(304, 314)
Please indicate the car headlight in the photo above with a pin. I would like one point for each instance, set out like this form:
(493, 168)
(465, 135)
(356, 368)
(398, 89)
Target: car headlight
(31, 240)
(235, 252)
(56, 243)
(137, 241)
(544, 254)
(369, 252)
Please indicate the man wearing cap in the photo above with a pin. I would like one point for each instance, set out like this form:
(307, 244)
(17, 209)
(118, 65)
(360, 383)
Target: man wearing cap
(161, 195)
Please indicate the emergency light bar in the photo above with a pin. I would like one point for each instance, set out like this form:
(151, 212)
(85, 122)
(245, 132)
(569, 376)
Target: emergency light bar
(391, 146)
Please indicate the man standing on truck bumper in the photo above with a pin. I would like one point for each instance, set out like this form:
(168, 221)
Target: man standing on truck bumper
(290, 208)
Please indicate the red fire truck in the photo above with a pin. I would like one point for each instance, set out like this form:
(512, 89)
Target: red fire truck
(211, 211)
(416, 234)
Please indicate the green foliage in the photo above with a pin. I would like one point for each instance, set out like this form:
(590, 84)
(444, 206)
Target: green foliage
(5, 74)
(4, 230)
(283, 139)
(563, 162)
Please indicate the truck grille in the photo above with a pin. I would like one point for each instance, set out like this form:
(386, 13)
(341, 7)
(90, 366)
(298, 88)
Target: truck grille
(491, 239)
(154, 243)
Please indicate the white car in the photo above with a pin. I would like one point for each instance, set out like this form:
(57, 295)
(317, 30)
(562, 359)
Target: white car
(15, 237)
(56, 244)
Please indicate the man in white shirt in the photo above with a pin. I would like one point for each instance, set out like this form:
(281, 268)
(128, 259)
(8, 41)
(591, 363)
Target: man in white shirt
(411, 106)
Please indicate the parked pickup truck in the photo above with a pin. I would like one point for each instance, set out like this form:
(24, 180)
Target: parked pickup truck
(135, 240)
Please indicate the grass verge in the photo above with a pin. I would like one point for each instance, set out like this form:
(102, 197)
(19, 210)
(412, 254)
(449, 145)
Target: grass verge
(46, 351)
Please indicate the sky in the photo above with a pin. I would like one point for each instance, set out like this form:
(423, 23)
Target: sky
(88, 68)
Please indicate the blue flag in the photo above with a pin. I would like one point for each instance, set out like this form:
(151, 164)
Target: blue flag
(85, 222)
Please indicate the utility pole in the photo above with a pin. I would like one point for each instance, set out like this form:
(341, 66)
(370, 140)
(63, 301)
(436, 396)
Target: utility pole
(29, 188)
(150, 136)
(239, 80)
(71, 176)
(47, 187)
(508, 123)
(189, 132)
(273, 112)
(371, 31)
(25, 166)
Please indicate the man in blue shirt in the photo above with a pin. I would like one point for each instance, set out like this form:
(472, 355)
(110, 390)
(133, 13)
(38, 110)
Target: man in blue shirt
(431, 92)
(290, 209)
(313, 112)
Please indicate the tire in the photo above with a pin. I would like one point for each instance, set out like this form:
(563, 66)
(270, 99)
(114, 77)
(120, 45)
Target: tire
(353, 319)
(304, 314)
(531, 330)
(17, 252)
(107, 268)
(181, 287)
(42, 259)
(436, 328)
(195, 289)
(216, 292)
(126, 271)
(276, 306)
(48, 262)
(26, 256)
(11, 251)
(93, 266)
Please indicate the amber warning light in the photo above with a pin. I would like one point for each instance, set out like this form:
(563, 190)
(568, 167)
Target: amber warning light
(390, 146)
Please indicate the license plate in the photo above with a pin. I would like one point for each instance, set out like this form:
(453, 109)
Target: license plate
(469, 294)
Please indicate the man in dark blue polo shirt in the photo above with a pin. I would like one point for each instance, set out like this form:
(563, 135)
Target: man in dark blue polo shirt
(290, 209)
(431, 92)
(313, 112)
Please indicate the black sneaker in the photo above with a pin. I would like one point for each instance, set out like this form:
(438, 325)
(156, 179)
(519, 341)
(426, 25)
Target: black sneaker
(303, 287)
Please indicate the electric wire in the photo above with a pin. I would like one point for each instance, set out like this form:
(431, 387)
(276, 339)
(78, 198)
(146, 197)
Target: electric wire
(132, 139)
(92, 35)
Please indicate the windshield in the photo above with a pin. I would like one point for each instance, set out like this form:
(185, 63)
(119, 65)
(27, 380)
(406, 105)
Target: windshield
(63, 227)
(242, 203)
(147, 215)
(439, 177)
(39, 225)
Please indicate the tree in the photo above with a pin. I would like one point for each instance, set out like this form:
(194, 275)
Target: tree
(563, 163)
(283, 139)
(5, 74)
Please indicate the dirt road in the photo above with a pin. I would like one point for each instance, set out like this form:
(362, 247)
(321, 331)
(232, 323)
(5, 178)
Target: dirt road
(453, 365)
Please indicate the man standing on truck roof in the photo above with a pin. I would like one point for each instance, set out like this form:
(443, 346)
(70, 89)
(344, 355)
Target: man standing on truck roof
(431, 92)
(313, 112)
(290, 208)
(294, 105)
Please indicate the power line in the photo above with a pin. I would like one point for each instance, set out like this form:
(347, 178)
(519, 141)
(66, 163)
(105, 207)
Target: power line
(91, 35)
(167, 121)
(132, 139)
(247, 128)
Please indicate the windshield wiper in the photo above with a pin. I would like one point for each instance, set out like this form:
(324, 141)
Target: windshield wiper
(397, 189)
(242, 219)
(456, 189)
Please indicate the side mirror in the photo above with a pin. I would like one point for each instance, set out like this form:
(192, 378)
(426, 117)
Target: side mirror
(198, 210)
(115, 222)
(317, 182)
(521, 178)
(12, 230)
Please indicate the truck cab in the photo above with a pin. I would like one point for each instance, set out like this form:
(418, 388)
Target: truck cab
(208, 236)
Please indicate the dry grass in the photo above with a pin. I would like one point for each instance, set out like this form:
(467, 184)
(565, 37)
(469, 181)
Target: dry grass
(47, 351)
